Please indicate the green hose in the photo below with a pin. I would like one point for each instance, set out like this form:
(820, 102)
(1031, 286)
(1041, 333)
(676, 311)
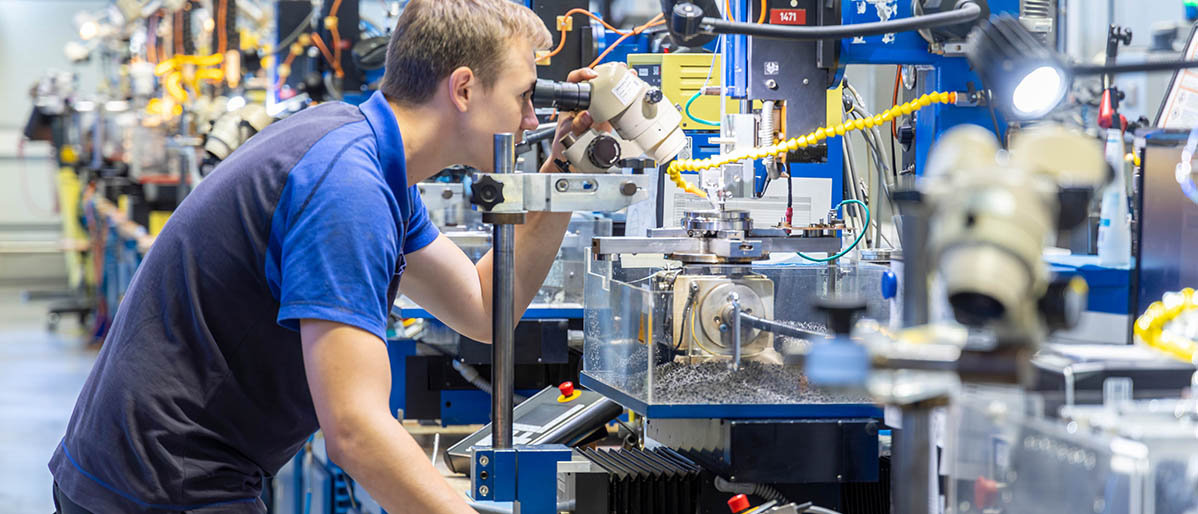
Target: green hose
(855, 241)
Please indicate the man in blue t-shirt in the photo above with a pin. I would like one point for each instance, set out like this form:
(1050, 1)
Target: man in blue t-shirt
(259, 314)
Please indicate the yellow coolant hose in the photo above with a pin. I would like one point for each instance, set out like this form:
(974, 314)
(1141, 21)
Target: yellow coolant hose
(781, 148)
(1154, 328)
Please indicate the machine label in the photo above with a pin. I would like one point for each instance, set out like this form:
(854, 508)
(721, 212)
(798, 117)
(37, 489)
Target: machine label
(627, 89)
(788, 16)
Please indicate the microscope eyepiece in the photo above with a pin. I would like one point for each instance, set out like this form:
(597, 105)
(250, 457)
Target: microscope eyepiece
(566, 96)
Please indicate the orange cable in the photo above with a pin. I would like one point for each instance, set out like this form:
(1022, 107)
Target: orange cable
(221, 16)
(286, 62)
(761, 18)
(728, 10)
(336, 45)
(336, 35)
(657, 20)
(898, 76)
(561, 42)
(328, 56)
(177, 28)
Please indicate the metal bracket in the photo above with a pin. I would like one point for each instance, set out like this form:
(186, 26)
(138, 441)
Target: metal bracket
(568, 192)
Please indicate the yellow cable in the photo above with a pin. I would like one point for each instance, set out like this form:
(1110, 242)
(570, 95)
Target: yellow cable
(1150, 328)
(174, 88)
(781, 148)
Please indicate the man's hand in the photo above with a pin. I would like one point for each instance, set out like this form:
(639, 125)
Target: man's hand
(572, 123)
(349, 377)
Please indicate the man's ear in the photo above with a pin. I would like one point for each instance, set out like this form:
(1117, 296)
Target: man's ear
(462, 85)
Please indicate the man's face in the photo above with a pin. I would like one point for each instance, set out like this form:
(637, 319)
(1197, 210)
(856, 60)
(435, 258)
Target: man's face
(505, 107)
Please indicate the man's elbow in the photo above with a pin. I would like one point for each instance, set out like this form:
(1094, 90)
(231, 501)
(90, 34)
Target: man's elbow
(480, 335)
(348, 442)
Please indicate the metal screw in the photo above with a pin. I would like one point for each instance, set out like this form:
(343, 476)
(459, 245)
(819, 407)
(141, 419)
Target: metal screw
(447, 194)
(723, 327)
(839, 477)
(628, 189)
(806, 81)
(483, 490)
(562, 185)
(483, 460)
(771, 83)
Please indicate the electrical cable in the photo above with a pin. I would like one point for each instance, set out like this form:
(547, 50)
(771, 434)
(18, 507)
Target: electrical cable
(325, 51)
(842, 253)
(655, 21)
(677, 166)
(967, 13)
(687, 108)
(561, 41)
(221, 33)
(790, 196)
(295, 34)
(898, 75)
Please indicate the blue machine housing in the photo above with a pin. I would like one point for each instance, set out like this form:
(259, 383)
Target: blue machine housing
(907, 48)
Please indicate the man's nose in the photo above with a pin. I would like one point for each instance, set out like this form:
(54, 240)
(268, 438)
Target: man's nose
(529, 120)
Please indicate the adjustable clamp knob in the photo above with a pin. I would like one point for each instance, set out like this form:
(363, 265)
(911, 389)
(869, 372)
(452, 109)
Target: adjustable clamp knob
(486, 192)
(654, 95)
(603, 151)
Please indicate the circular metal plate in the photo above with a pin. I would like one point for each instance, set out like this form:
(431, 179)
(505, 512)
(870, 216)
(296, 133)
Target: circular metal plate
(712, 308)
(700, 223)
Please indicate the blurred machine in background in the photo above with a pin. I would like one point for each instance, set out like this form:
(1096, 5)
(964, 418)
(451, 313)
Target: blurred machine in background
(762, 318)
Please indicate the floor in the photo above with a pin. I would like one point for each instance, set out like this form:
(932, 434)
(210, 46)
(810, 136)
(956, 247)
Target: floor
(41, 373)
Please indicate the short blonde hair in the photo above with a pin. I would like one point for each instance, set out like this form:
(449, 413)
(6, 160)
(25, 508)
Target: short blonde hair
(435, 37)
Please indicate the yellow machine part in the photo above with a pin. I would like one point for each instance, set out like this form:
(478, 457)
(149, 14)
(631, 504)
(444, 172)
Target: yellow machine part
(679, 77)
(157, 221)
(73, 235)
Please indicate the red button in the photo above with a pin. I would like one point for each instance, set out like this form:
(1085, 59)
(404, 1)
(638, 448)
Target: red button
(738, 503)
(984, 491)
(567, 389)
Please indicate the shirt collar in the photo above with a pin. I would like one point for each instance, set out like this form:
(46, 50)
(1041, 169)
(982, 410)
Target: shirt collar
(390, 143)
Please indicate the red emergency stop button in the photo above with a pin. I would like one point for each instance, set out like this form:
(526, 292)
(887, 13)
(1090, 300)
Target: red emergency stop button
(738, 503)
(568, 392)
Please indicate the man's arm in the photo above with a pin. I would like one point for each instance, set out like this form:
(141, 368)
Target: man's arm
(456, 291)
(349, 377)
(442, 279)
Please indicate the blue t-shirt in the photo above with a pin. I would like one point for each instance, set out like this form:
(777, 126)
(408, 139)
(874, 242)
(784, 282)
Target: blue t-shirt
(199, 391)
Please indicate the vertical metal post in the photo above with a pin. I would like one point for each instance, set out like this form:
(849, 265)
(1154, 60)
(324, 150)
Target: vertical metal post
(914, 464)
(502, 313)
(736, 342)
(916, 267)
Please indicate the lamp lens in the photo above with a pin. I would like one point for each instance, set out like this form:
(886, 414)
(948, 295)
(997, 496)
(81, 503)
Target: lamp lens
(1039, 91)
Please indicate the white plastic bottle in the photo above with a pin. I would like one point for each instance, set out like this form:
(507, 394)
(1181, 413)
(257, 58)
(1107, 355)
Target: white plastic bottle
(1114, 229)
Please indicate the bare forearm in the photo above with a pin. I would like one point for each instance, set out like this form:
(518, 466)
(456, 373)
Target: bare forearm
(537, 243)
(384, 458)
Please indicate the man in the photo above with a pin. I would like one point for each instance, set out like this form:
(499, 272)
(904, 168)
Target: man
(259, 314)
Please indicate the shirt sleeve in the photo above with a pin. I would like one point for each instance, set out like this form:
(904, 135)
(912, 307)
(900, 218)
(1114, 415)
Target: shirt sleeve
(420, 230)
(339, 253)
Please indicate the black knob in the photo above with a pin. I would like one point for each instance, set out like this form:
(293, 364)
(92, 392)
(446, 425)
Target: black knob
(486, 192)
(638, 164)
(906, 134)
(841, 311)
(685, 19)
(654, 95)
(1064, 302)
(603, 151)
